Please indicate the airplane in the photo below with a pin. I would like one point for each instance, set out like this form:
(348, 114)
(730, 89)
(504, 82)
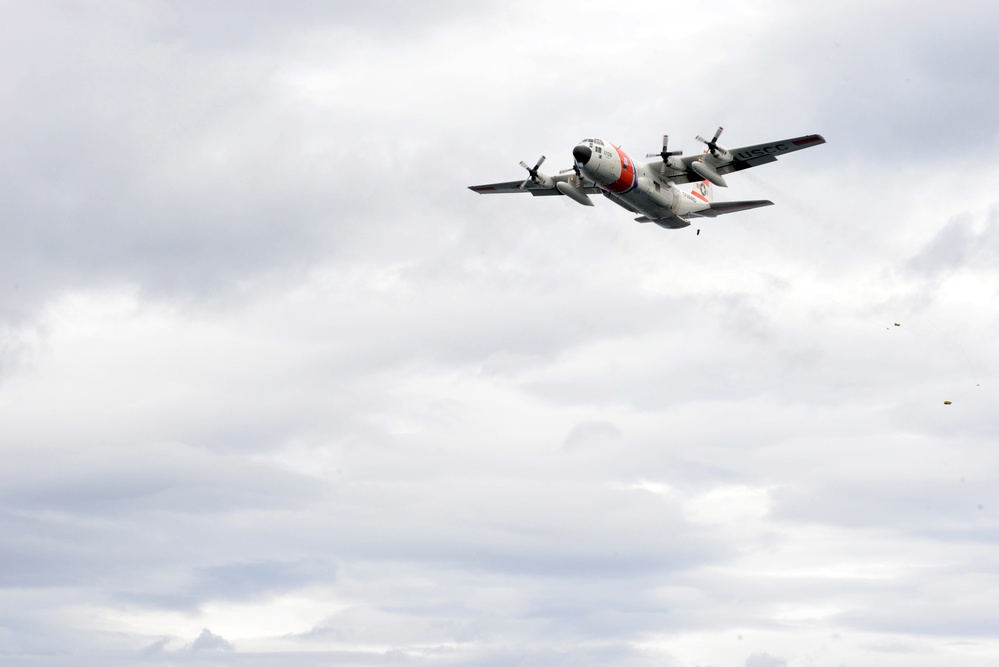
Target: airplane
(657, 191)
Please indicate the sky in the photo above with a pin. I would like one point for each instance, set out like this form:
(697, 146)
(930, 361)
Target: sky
(277, 388)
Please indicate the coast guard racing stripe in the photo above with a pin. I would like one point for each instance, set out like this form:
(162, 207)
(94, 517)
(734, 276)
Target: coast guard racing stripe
(629, 177)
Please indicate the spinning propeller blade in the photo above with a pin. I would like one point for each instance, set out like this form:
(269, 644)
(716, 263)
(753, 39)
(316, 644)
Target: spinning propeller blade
(666, 152)
(713, 143)
(532, 172)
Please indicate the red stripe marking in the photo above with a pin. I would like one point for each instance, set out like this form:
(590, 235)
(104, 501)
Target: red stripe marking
(627, 178)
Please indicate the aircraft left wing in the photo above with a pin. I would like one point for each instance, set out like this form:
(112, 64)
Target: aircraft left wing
(742, 158)
(754, 156)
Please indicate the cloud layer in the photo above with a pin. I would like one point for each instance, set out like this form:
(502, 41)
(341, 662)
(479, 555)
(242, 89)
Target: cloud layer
(276, 387)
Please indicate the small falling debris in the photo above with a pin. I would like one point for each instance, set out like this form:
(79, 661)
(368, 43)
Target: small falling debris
(897, 324)
(698, 232)
(946, 402)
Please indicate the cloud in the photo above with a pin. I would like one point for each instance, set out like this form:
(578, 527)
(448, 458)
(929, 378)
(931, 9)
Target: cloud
(760, 659)
(208, 641)
(587, 434)
(268, 367)
(958, 245)
(156, 648)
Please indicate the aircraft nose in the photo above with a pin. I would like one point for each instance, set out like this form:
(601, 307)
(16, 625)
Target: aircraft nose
(582, 154)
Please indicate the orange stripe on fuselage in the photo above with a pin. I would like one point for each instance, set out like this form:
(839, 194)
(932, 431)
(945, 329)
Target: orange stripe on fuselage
(627, 179)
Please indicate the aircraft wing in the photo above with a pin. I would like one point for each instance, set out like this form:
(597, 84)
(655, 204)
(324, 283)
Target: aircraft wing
(743, 158)
(723, 207)
(754, 156)
(588, 187)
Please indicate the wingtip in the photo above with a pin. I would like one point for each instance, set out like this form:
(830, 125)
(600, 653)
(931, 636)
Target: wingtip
(809, 140)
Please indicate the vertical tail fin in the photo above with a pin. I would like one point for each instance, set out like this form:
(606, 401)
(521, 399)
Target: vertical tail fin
(703, 190)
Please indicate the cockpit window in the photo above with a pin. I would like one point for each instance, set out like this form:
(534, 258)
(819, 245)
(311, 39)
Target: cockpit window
(598, 142)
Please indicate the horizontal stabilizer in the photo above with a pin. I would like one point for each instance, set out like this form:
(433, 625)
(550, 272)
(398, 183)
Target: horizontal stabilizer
(723, 207)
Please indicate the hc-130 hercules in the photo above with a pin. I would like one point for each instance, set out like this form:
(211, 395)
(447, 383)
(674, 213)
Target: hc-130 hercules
(668, 191)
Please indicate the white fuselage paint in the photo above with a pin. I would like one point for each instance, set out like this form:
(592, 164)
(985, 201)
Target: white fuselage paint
(640, 188)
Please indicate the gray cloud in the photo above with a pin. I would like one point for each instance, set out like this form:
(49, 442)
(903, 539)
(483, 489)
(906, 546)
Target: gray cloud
(209, 641)
(267, 367)
(958, 245)
(761, 659)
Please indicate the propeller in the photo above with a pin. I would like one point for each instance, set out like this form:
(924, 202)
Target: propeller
(575, 168)
(713, 143)
(666, 153)
(533, 172)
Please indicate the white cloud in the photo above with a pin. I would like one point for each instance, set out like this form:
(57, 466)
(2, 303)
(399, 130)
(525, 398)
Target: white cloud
(264, 356)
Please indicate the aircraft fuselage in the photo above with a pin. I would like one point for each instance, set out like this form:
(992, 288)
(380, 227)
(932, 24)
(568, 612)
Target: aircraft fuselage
(635, 187)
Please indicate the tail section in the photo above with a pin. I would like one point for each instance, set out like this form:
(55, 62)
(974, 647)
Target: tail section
(703, 191)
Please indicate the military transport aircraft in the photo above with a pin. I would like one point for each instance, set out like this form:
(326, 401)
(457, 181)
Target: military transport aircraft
(658, 191)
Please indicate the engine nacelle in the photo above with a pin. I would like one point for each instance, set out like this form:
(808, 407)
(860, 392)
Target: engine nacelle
(545, 181)
(675, 163)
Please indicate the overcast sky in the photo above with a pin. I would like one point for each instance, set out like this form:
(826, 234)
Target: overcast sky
(277, 388)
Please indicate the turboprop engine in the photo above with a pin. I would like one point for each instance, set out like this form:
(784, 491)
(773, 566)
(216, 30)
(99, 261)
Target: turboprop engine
(671, 159)
(543, 180)
(707, 166)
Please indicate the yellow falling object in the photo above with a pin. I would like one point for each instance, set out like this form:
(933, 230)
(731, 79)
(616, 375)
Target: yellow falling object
(897, 324)
(946, 402)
